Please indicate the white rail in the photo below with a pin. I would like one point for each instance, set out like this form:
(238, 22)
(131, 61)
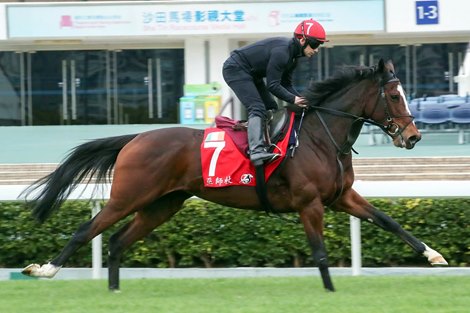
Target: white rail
(368, 189)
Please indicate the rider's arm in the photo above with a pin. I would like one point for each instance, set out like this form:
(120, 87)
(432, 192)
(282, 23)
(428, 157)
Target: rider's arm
(286, 81)
(274, 74)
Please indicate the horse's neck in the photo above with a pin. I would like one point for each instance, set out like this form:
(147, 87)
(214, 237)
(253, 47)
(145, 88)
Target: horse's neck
(331, 134)
(351, 100)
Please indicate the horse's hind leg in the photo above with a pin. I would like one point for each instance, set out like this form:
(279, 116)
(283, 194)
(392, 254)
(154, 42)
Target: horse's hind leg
(108, 216)
(143, 223)
(352, 203)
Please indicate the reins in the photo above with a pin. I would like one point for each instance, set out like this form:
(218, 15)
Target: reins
(351, 116)
(391, 129)
(339, 152)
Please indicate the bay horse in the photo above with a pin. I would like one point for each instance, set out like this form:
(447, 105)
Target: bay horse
(156, 171)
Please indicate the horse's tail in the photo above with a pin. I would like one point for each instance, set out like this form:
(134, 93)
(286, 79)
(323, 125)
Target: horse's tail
(94, 158)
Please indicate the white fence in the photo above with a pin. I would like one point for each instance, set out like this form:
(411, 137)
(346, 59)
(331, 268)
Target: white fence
(368, 189)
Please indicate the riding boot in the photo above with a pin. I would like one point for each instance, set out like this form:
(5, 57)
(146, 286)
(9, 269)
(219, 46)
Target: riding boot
(258, 151)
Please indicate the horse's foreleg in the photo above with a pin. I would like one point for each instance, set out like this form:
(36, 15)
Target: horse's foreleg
(143, 223)
(352, 203)
(82, 236)
(312, 220)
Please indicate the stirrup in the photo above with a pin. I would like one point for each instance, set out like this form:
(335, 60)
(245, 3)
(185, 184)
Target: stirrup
(265, 159)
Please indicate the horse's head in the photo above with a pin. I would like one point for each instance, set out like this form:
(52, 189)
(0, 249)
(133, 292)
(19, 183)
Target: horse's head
(386, 107)
(391, 110)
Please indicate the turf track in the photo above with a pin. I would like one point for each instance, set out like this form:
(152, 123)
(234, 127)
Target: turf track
(402, 294)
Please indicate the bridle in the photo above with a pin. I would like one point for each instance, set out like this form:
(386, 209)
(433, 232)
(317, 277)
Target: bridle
(388, 125)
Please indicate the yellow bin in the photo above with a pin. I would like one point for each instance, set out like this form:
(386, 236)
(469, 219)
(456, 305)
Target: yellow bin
(212, 106)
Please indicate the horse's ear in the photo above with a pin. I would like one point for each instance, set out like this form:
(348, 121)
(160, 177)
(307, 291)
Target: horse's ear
(390, 66)
(385, 66)
(381, 66)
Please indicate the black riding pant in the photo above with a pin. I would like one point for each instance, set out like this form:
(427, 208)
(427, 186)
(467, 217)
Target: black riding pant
(251, 91)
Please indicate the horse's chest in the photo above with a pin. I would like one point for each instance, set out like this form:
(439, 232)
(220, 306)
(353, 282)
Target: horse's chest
(330, 177)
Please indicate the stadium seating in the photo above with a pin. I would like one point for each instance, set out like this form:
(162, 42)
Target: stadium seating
(460, 116)
(413, 105)
(445, 111)
(434, 113)
(446, 98)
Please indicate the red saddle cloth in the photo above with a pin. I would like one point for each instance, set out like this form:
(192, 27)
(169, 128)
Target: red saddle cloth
(223, 158)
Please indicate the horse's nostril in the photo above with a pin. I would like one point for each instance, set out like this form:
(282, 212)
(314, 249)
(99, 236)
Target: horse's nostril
(414, 139)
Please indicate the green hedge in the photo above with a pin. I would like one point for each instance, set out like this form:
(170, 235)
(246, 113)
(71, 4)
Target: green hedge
(209, 235)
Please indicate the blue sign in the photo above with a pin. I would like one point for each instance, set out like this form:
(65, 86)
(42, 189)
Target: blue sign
(427, 12)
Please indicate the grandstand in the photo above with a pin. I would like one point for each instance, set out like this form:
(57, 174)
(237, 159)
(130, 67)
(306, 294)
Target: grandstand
(448, 113)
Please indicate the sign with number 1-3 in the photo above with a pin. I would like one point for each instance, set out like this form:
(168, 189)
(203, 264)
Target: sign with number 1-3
(427, 12)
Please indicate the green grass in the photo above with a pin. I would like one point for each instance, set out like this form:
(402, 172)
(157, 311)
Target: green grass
(404, 294)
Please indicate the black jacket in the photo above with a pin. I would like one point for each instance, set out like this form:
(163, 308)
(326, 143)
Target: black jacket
(273, 58)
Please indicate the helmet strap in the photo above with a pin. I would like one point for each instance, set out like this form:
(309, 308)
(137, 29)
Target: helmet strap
(305, 43)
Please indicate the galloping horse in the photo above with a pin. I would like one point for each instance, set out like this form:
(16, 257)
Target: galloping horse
(156, 171)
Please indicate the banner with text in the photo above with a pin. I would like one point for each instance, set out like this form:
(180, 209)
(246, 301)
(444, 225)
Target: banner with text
(173, 19)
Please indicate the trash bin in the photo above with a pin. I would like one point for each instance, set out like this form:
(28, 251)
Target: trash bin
(187, 110)
(211, 108)
(199, 110)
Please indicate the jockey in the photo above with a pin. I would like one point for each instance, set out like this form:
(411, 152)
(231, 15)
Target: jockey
(274, 59)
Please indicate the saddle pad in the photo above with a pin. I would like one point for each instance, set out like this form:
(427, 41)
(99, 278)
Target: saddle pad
(224, 165)
(239, 136)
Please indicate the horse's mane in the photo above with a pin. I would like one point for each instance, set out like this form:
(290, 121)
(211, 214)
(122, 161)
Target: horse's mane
(318, 91)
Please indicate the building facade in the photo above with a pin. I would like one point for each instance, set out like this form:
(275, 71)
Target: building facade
(99, 63)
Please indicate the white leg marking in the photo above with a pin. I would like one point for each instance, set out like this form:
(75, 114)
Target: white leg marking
(47, 270)
(434, 257)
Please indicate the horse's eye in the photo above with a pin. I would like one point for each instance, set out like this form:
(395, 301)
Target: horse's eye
(395, 98)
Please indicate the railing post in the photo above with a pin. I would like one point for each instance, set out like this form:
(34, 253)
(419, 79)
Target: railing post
(97, 259)
(356, 262)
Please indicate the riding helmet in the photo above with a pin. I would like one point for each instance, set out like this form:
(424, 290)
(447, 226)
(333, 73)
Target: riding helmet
(310, 30)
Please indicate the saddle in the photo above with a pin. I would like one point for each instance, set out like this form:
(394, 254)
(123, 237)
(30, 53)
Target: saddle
(276, 128)
(224, 157)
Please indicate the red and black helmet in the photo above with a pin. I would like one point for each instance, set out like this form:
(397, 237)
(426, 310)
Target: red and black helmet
(312, 32)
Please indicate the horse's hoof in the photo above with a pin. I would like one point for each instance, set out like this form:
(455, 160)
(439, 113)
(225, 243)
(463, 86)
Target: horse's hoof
(434, 257)
(438, 261)
(30, 269)
(115, 290)
(35, 270)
